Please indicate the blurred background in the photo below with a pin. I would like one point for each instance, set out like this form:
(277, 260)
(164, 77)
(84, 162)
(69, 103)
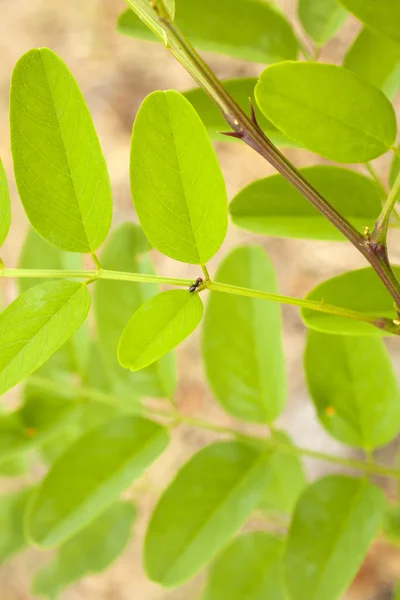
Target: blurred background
(115, 73)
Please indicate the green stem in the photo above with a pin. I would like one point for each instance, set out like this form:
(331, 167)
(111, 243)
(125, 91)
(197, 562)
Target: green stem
(379, 235)
(205, 272)
(111, 400)
(380, 322)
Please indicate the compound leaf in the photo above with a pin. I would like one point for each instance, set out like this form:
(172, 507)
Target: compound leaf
(5, 209)
(381, 16)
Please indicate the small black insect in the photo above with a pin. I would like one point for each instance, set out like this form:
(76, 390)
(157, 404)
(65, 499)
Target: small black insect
(196, 284)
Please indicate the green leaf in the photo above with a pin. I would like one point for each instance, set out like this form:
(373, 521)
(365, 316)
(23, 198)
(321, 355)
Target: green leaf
(321, 19)
(250, 568)
(14, 467)
(90, 476)
(42, 417)
(334, 522)
(242, 346)
(60, 170)
(12, 508)
(394, 169)
(241, 91)
(359, 290)
(381, 16)
(37, 253)
(207, 502)
(397, 592)
(5, 209)
(92, 550)
(344, 375)
(391, 524)
(124, 252)
(177, 186)
(328, 109)
(36, 324)
(160, 324)
(272, 206)
(376, 59)
(286, 478)
(265, 35)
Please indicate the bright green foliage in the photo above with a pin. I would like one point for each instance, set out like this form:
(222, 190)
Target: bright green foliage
(114, 303)
(90, 551)
(176, 180)
(265, 35)
(328, 109)
(37, 253)
(397, 592)
(391, 524)
(60, 170)
(242, 90)
(5, 210)
(358, 290)
(354, 388)
(286, 478)
(376, 59)
(41, 417)
(12, 509)
(36, 324)
(382, 16)
(272, 206)
(249, 569)
(159, 325)
(90, 476)
(394, 170)
(333, 525)
(242, 345)
(207, 502)
(321, 19)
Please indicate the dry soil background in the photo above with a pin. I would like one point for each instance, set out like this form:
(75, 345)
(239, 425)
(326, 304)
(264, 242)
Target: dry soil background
(115, 74)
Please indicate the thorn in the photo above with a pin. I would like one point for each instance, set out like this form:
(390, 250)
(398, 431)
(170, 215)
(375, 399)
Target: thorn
(234, 134)
(252, 113)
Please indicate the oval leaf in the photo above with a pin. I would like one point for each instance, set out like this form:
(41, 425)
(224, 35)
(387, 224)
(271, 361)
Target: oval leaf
(177, 186)
(265, 35)
(272, 206)
(252, 562)
(242, 345)
(92, 550)
(59, 168)
(328, 109)
(125, 251)
(349, 291)
(344, 375)
(210, 498)
(241, 91)
(321, 19)
(36, 324)
(159, 325)
(376, 59)
(382, 16)
(334, 523)
(5, 210)
(90, 476)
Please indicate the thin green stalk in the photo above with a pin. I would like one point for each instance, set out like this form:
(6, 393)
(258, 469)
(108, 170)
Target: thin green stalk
(88, 393)
(379, 234)
(380, 322)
